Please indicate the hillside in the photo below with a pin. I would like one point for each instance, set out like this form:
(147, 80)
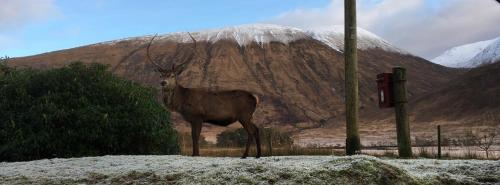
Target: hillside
(298, 75)
(475, 94)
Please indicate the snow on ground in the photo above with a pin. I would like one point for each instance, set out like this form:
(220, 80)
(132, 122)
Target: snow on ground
(267, 170)
(266, 33)
(461, 56)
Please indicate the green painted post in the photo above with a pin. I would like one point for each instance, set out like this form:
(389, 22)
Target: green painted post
(401, 106)
(439, 141)
(353, 144)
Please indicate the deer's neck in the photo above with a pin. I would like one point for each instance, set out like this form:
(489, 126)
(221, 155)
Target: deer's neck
(175, 98)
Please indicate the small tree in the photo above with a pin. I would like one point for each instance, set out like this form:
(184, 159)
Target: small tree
(3, 65)
(238, 137)
(486, 142)
(488, 139)
(232, 138)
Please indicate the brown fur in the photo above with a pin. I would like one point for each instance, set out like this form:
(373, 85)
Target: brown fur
(215, 107)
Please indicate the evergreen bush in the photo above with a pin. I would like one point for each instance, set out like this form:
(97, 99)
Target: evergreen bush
(79, 110)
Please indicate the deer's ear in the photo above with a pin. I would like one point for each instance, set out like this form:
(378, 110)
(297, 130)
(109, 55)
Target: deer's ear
(177, 73)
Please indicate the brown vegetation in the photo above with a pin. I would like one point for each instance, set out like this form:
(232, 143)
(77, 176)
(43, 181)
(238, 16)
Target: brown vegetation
(303, 82)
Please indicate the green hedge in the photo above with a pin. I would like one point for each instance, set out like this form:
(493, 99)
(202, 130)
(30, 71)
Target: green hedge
(78, 111)
(238, 137)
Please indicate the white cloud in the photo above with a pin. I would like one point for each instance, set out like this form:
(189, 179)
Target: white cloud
(14, 14)
(422, 27)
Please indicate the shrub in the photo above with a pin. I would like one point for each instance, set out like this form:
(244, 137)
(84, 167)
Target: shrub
(79, 111)
(232, 138)
(238, 138)
(3, 66)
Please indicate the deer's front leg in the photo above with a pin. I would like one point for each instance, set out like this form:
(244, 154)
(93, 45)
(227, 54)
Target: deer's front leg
(195, 135)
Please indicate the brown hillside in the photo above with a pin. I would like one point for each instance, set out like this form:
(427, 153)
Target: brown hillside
(299, 82)
(475, 95)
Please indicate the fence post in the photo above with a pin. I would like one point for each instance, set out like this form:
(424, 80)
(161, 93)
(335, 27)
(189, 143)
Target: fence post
(401, 106)
(439, 141)
(270, 142)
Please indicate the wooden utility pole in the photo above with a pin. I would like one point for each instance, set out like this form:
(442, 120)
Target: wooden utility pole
(353, 144)
(439, 141)
(401, 107)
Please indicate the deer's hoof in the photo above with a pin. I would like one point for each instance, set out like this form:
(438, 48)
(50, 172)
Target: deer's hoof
(243, 157)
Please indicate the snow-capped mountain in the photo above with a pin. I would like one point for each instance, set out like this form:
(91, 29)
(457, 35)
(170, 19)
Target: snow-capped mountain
(334, 37)
(489, 55)
(266, 33)
(470, 55)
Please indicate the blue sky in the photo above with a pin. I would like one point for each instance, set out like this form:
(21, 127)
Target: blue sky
(30, 27)
(80, 22)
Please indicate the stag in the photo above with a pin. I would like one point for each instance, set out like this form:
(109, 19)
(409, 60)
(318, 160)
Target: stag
(198, 105)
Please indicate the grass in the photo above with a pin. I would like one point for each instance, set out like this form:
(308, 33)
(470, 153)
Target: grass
(424, 152)
(418, 152)
(282, 151)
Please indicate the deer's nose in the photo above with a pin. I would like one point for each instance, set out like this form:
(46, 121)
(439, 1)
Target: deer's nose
(163, 83)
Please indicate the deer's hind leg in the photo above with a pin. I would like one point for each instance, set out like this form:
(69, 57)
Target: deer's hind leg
(253, 133)
(257, 140)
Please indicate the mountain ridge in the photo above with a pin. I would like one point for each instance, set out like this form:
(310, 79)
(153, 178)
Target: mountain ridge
(264, 33)
(488, 55)
(470, 55)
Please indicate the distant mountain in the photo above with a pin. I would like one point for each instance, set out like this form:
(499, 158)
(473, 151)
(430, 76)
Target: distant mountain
(470, 55)
(490, 54)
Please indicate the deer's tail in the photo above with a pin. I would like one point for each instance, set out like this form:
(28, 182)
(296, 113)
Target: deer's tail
(256, 100)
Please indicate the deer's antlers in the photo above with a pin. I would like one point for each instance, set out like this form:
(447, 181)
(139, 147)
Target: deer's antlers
(182, 65)
(159, 67)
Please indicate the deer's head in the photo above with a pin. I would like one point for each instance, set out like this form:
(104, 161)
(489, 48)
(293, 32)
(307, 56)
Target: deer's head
(168, 82)
(168, 74)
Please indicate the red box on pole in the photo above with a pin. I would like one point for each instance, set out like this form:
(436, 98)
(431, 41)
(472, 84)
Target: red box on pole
(385, 88)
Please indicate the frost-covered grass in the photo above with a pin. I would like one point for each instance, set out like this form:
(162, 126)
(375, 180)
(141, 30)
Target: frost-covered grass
(418, 152)
(268, 170)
